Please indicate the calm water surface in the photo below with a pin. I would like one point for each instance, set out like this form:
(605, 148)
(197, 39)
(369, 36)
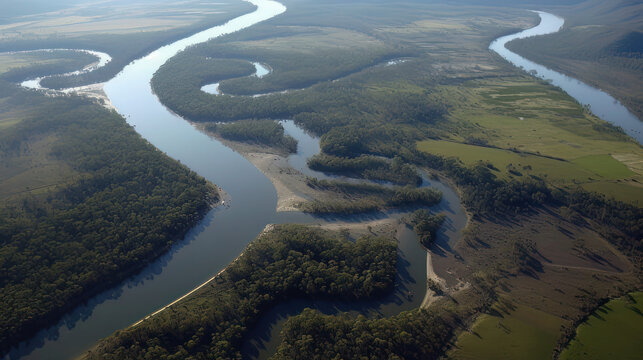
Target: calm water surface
(224, 232)
(260, 71)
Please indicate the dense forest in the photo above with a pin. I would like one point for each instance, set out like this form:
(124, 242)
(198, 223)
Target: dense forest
(417, 334)
(361, 198)
(284, 262)
(128, 204)
(426, 226)
(367, 167)
(266, 132)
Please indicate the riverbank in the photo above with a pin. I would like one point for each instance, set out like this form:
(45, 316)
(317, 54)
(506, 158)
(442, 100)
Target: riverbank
(292, 190)
(290, 183)
(94, 91)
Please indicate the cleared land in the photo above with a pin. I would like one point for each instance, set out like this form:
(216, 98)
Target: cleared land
(524, 332)
(613, 331)
(600, 44)
(564, 267)
(527, 128)
(109, 17)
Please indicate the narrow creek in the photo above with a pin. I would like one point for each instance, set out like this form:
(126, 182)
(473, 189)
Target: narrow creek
(225, 231)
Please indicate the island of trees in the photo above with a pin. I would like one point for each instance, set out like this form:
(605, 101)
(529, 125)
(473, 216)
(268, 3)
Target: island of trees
(284, 262)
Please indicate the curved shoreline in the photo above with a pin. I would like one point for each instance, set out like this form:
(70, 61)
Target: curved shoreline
(213, 88)
(103, 59)
(212, 237)
(131, 299)
(602, 104)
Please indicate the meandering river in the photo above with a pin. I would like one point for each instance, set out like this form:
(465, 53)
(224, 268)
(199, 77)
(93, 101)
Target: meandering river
(225, 231)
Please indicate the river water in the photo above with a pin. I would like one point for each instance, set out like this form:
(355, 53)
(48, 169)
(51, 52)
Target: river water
(225, 231)
(601, 103)
(260, 71)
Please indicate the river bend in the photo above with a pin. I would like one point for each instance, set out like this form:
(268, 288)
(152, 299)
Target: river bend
(225, 231)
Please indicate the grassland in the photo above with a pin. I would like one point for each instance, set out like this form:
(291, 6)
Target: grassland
(124, 30)
(109, 17)
(613, 331)
(33, 170)
(10, 61)
(524, 127)
(567, 268)
(513, 332)
(600, 44)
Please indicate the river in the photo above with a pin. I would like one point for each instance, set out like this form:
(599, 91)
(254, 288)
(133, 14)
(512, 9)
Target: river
(601, 103)
(225, 231)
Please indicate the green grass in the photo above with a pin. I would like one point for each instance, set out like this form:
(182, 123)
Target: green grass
(522, 333)
(605, 166)
(614, 331)
(504, 160)
(531, 116)
(34, 171)
(626, 192)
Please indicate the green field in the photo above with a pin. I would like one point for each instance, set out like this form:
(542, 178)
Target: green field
(531, 116)
(622, 191)
(605, 166)
(505, 161)
(522, 333)
(614, 331)
(529, 128)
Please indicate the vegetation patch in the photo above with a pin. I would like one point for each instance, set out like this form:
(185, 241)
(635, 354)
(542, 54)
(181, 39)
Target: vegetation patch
(266, 132)
(360, 198)
(417, 334)
(367, 167)
(426, 226)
